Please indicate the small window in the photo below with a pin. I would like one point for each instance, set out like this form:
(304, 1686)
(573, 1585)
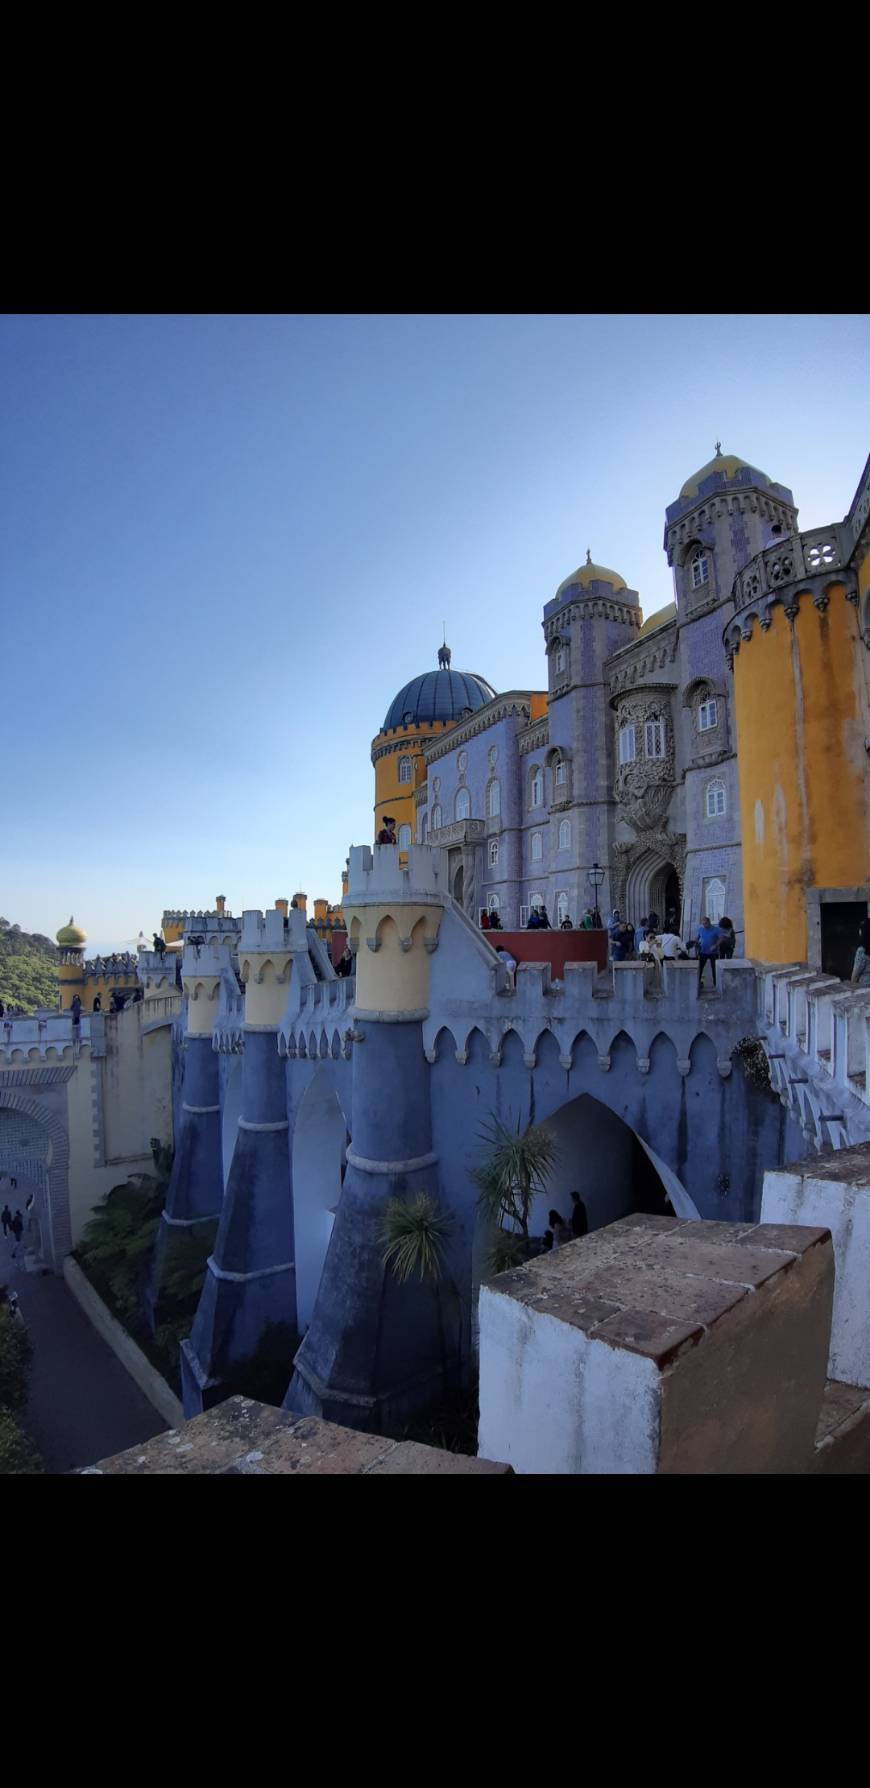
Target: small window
(564, 835)
(493, 853)
(462, 762)
(536, 900)
(463, 804)
(563, 909)
(436, 817)
(715, 800)
(700, 570)
(626, 744)
(537, 794)
(493, 800)
(561, 773)
(407, 719)
(561, 660)
(404, 769)
(421, 829)
(654, 738)
(708, 714)
(494, 903)
(404, 837)
(537, 847)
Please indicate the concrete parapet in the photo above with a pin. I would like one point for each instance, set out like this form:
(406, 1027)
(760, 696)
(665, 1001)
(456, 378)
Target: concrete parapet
(271, 931)
(383, 873)
(834, 1190)
(241, 1437)
(656, 1345)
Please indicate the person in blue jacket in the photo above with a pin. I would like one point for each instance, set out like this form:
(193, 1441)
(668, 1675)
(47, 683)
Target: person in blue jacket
(709, 939)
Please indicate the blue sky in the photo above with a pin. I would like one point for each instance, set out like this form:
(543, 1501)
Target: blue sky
(228, 540)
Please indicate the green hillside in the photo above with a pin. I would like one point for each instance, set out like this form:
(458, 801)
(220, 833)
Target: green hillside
(28, 968)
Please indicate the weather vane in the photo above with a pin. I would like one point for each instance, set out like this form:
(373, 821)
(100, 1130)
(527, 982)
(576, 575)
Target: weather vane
(589, 555)
(718, 447)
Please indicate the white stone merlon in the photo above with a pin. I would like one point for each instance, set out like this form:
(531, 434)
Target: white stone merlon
(383, 873)
(210, 959)
(834, 1190)
(816, 1034)
(656, 1345)
(272, 931)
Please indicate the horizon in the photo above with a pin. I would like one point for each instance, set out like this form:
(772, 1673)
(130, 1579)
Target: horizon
(229, 541)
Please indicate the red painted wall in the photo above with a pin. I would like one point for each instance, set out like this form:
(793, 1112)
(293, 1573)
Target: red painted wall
(555, 947)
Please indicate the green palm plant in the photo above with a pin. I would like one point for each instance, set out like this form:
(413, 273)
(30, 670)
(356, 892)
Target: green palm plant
(514, 1171)
(415, 1232)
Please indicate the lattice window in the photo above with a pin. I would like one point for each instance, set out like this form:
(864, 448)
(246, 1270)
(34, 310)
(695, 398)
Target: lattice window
(404, 837)
(536, 795)
(700, 570)
(627, 744)
(493, 800)
(436, 817)
(654, 738)
(715, 799)
(708, 714)
(564, 835)
(462, 808)
(493, 853)
(536, 847)
(404, 769)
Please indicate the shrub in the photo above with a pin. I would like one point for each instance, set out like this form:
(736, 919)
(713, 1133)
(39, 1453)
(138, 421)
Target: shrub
(18, 1455)
(15, 1356)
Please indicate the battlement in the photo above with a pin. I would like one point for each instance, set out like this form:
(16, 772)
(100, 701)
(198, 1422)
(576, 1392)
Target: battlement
(382, 873)
(211, 958)
(816, 1032)
(44, 1036)
(181, 915)
(107, 968)
(271, 930)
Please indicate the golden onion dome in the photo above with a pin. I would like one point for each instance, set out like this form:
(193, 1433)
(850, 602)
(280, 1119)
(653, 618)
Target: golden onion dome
(592, 574)
(71, 936)
(728, 463)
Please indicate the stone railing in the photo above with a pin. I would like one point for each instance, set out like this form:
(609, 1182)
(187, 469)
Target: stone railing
(54, 1031)
(458, 832)
(796, 557)
(816, 1035)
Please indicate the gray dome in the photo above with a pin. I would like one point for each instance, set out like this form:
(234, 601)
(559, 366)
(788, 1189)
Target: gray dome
(438, 695)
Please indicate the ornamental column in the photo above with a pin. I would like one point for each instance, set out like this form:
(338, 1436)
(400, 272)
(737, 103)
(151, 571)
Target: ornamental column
(375, 1350)
(250, 1280)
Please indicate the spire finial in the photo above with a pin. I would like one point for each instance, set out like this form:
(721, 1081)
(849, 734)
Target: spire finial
(589, 555)
(718, 448)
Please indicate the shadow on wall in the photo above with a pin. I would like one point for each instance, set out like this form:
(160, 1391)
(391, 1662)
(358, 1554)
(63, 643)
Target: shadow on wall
(232, 1111)
(319, 1139)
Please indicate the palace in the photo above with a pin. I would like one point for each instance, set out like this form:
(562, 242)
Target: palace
(710, 758)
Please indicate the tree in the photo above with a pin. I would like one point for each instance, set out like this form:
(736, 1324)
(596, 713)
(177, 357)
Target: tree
(513, 1173)
(416, 1233)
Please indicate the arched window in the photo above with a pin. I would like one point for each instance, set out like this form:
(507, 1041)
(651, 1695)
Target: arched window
(561, 660)
(627, 744)
(493, 800)
(536, 847)
(404, 769)
(493, 853)
(536, 793)
(422, 829)
(436, 816)
(715, 796)
(404, 837)
(494, 903)
(561, 773)
(462, 762)
(654, 738)
(700, 569)
(462, 807)
(708, 714)
(562, 907)
(564, 835)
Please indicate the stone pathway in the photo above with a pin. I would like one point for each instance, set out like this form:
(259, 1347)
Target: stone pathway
(83, 1404)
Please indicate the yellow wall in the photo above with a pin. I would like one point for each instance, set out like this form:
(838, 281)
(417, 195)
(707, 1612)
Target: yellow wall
(800, 705)
(391, 795)
(391, 979)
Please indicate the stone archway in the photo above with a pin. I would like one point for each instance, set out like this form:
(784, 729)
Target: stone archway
(49, 1179)
(647, 874)
(614, 1170)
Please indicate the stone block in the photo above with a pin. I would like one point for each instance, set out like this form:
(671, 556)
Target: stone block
(243, 1438)
(843, 1433)
(657, 1345)
(834, 1190)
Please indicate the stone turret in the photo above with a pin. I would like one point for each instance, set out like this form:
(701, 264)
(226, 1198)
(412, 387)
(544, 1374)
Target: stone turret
(250, 1282)
(373, 1353)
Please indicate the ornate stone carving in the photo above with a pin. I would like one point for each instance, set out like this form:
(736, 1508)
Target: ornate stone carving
(669, 846)
(644, 786)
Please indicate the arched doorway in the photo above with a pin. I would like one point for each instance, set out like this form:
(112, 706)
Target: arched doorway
(614, 1170)
(319, 1155)
(25, 1159)
(652, 886)
(459, 885)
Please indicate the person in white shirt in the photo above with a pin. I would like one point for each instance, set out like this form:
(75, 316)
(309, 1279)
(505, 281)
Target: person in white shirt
(505, 957)
(672, 947)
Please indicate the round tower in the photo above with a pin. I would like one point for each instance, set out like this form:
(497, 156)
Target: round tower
(426, 707)
(802, 708)
(71, 942)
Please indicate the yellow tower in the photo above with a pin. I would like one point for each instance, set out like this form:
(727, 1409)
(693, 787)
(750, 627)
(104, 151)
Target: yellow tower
(798, 645)
(71, 942)
(427, 706)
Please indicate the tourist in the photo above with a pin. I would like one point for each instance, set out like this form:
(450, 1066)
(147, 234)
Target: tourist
(6, 1219)
(548, 1240)
(615, 932)
(533, 922)
(861, 965)
(98, 1004)
(510, 962)
(597, 921)
(561, 1232)
(159, 944)
(344, 966)
(566, 924)
(728, 941)
(76, 1009)
(672, 947)
(14, 1308)
(484, 920)
(579, 1218)
(653, 921)
(650, 950)
(587, 922)
(543, 919)
(708, 948)
(17, 1227)
(387, 833)
(495, 923)
(640, 933)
